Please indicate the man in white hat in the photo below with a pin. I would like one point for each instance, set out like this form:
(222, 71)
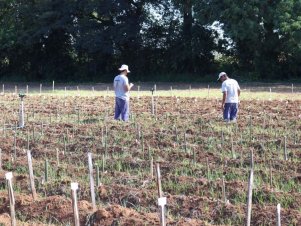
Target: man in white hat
(122, 88)
(231, 92)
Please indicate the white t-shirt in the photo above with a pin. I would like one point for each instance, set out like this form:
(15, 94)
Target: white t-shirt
(231, 87)
(120, 81)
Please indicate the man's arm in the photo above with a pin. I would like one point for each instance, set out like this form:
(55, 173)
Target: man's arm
(224, 99)
(128, 87)
(238, 92)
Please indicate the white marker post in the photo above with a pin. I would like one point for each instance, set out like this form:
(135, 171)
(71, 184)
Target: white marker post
(162, 202)
(52, 86)
(3, 89)
(31, 176)
(74, 187)
(278, 215)
(91, 181)
(9, 177)
(41, 89)
(250, 187)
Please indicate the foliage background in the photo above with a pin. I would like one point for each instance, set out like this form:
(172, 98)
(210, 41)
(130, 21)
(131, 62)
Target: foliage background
(166, 40)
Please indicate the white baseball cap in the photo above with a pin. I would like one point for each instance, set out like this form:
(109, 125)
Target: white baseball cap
(124, 67)
(220, 75)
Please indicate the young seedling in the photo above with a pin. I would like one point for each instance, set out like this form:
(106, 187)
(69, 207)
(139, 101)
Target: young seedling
(9, 177)
(74, 187)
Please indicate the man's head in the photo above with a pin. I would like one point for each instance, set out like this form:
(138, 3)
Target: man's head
(222, 76)
(124, 69)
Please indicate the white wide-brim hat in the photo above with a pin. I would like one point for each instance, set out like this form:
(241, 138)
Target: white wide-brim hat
(220, 75)
(124, 67)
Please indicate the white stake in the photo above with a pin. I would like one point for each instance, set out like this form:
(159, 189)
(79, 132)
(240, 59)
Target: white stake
(41, 89)
(250, 187)
(52, 86)
(31, 176)
(91, 181)
(9, 177)
(74, 187)
(278, 215)
(3, 89)
(162, 202)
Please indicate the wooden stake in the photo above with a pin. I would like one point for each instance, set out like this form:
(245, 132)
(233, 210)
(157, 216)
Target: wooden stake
(46, 170)
(285, 150)
(208, 169)
(57, 157)
(159, 180)
(9, 177)
(224, 190)
(97, 176)
(0, 159)
(152, 168)
(74, 187)
(250, 187)
(31, 176)
(92, 189)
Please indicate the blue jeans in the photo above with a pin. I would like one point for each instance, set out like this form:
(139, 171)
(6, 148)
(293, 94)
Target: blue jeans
(122, 108)
(230, 111)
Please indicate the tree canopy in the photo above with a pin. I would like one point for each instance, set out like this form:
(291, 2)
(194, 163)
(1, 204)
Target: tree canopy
(87, 40)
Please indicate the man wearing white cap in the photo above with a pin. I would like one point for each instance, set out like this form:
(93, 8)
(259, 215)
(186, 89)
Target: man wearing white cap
(231, 92)
(122, 88)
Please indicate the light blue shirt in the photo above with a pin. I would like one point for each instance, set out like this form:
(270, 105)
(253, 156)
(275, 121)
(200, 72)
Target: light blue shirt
(120, 82)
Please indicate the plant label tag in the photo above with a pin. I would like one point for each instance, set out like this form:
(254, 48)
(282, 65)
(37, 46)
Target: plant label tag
(74, 186)
(9, 176)
(162, 201)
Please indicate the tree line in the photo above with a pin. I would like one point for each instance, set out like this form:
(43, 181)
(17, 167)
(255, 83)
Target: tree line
(166, 40)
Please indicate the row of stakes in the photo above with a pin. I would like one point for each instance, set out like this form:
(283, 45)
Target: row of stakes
(162, 201)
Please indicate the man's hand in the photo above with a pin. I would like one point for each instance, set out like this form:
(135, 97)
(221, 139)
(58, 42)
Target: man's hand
(223, 106)
(131, 85)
